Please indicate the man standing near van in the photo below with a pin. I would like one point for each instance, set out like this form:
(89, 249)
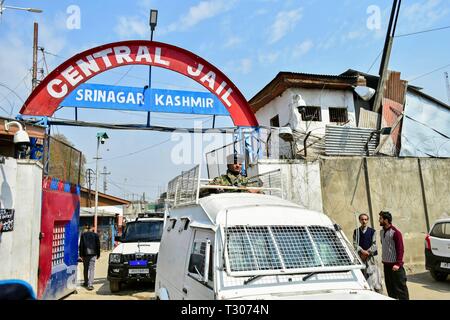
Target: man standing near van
(392, 257)
(365, 242)
(89, 250)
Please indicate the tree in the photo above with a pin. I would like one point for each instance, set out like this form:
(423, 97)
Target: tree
(65, 161)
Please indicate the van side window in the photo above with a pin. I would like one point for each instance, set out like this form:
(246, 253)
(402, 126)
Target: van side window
(197, 261)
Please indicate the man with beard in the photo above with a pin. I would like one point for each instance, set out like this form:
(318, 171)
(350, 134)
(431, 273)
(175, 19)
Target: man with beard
(392, 257)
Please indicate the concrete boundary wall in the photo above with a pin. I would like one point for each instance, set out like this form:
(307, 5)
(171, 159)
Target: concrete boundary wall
(416, 192)
(21, 190)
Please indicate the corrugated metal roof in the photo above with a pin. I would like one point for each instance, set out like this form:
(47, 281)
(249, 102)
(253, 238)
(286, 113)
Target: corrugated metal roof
(349, 141)
(285, 80)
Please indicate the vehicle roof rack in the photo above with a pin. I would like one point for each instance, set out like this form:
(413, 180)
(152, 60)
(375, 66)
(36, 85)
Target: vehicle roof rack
(185, 188)
(150, 215)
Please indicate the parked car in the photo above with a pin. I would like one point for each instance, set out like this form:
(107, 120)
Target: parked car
(437, 250)
(134, 259)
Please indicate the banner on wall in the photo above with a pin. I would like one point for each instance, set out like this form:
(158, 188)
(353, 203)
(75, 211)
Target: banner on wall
(99, 96)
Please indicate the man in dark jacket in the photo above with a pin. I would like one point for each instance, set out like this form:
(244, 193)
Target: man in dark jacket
(89, 251)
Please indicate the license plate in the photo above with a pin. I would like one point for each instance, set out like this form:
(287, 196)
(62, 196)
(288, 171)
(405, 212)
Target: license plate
(138, 263)
(445, 265)
(138, 271)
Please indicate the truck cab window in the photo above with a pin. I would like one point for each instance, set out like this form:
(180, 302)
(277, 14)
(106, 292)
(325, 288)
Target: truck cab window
(197, 261)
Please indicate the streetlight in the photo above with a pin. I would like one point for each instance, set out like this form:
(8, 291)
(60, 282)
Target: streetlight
(153, 21)
(3, 7)
(101, 138)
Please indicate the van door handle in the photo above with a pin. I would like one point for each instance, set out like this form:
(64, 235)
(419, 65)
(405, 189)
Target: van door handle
(184, 290)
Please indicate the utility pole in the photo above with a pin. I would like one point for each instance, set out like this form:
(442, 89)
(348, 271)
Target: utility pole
(386, 54)
(447, 83)
(105, 173)
(35, 52)
(89, 182)
(152, 22)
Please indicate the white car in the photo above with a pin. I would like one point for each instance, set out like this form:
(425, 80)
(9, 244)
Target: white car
(134, 259)
(437, 250)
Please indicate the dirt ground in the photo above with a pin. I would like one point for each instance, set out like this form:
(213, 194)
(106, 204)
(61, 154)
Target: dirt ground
(101, 286)
(420, 284)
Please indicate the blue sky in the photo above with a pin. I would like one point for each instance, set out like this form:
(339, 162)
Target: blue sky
(250, 41)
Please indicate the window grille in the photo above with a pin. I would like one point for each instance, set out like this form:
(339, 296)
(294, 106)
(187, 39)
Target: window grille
(257, 248)
(311, 113)
(338, 114)
(59, 231)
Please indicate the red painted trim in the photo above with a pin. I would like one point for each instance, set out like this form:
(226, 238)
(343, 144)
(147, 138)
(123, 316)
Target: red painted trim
(56, 206)
(42, 103)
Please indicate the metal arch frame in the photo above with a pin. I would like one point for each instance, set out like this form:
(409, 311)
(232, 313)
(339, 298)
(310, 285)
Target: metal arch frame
(42, 103)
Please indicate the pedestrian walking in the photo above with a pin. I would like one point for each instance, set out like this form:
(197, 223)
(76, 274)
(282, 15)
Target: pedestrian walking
(89, 251)
(365, 242)
(392, 258)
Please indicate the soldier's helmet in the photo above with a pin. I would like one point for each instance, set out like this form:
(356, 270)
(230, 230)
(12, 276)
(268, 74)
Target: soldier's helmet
(234, 158)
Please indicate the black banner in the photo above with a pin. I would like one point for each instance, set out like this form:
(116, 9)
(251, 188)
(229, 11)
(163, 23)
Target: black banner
(7, 219)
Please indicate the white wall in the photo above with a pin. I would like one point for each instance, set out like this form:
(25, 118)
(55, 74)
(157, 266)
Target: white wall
(21, 189)
(313, 97)
(301, 180)
(418, 139)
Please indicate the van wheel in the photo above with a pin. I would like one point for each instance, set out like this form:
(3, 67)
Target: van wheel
(438, 276)
(114, 286)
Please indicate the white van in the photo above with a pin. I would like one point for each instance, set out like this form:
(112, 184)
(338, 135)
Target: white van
(255, 246)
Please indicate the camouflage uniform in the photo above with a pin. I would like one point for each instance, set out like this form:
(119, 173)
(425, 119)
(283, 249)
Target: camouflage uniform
(231, 180)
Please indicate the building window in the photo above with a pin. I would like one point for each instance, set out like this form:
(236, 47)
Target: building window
(310, 113)
(275, 121)
(59, 237)
(338, 114)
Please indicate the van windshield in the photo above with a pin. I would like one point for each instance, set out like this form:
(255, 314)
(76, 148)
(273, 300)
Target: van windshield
(145, 231)
(256, 248)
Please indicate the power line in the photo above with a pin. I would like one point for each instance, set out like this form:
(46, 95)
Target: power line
(425, 74)
(423, 31)
(135, 152)
(376, 59)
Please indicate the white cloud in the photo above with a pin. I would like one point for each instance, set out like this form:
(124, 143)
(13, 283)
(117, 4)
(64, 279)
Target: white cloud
(232, 42)
(422, 15)
(131, 26)
(242, 66)
(245, 66)
(302, 48)
(15, 59)
(269, 57)
(202, 11)
(284, 22)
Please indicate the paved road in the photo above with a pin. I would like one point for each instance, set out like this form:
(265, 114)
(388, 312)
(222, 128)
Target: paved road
(101, 286)
(420, 284)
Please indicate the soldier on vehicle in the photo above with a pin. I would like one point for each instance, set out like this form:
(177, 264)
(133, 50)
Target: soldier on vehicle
(233, 177)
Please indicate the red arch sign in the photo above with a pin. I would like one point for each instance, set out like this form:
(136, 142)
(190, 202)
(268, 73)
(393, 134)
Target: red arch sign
(47, 96)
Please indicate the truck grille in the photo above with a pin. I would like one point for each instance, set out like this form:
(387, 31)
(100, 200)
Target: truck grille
(148, 257)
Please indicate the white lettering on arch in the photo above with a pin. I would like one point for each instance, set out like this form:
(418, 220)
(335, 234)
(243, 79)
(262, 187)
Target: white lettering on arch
(158, 58)
(54, 93)
(195, 73)
(87, 67)
(122, 53)
(210, 77)
(143, 53)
